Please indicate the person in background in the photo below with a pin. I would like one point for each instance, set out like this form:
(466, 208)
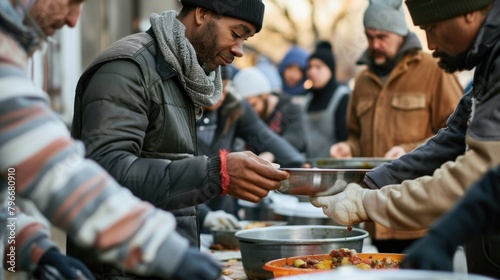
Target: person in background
(400, 99)
(279, 113)
(292, 69)
(221, 125)
(40, 162)
(421, 186)
(474, 214)
(266, 66)
(141, 127)
(326, 103)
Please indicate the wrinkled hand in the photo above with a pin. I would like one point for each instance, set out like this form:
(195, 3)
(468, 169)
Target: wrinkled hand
(431, 253)
(395, 152)
(250, 177)
(54, 265)
(220, 219)
(197, 265)
(340, 150)
(267, 156)
(346, 208)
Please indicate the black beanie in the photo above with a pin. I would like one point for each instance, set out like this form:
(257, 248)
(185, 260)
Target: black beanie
(431, 11)
(248, 10)
(324, 52)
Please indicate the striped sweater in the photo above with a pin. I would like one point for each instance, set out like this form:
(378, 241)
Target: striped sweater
(39, 161)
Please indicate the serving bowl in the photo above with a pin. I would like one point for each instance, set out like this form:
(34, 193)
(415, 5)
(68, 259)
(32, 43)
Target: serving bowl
(319, 182)
(258, 246)
(284, 266)
(226, 239)
(348, 163)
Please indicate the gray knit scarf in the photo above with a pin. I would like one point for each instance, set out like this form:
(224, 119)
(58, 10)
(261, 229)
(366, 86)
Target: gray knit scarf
(204, 90)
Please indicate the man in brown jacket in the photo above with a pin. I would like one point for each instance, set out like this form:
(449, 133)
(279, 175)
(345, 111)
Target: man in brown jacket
(400, 99)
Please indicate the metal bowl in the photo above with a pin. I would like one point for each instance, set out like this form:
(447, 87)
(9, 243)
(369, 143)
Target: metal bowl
(319, 182)
(261, 245)
(348, 163)
(226, 238)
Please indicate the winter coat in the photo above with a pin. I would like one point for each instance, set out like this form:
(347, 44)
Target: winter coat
(137, 122)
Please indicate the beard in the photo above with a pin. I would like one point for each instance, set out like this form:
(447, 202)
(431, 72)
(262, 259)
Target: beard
(206, 46)
(451, 64)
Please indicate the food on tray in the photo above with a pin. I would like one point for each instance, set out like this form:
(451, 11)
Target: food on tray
(343, 257)
(256, 225)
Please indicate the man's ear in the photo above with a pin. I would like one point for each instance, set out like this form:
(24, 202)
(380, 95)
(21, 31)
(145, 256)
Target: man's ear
(201, 15)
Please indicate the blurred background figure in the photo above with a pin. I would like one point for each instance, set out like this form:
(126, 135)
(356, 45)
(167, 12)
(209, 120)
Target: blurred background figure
(276, 110)
(220, 126)
(399, 100)
(292, 69)
(267, 67)
(326, 103)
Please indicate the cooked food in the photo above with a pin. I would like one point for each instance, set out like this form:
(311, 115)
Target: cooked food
(256, 225)
(343, 257)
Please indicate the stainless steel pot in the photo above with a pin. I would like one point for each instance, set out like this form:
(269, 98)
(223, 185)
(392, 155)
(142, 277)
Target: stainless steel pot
(226, 237)
(348, 163)
(319, 182)
(261, 245)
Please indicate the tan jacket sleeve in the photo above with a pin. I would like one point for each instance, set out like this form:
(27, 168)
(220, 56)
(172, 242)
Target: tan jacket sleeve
(416, 204)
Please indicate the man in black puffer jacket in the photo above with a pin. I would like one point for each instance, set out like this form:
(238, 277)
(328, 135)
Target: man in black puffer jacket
(136, 108)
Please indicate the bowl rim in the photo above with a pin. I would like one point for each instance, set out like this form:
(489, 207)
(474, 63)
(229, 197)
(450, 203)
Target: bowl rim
(240, 235)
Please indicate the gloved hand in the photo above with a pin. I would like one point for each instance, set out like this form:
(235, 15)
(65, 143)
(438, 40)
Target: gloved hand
(220, 219)
(346, 208)
(53, 265)
(197, 265)
(431, 252)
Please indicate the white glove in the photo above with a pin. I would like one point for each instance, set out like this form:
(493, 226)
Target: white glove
(221, 220)
(345, 208)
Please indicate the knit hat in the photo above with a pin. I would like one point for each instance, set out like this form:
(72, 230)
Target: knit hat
(324, 52)
(265, 65)
(386, 15)
(430, 11)
(250, 82)
(247, 10)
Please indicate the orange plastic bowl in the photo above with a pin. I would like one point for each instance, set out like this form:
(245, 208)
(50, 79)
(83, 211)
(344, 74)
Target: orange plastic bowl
(279, 270)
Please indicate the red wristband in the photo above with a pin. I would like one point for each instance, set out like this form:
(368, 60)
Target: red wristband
(223, 172)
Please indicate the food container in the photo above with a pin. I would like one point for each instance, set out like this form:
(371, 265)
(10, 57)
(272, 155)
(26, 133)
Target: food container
(386, 274)
(347, 163)
(226, 238)
(264, 210)
(303, 213)
(278, 269)
(319, 182)
(258, 246)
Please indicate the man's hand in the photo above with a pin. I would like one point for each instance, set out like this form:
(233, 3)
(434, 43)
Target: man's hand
(345, 208)
(395, 152)
(221, 220)
(54, 265)
(250, 177)
(340, 150)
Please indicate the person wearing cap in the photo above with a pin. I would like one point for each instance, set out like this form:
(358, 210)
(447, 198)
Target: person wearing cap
(40, 162)
(292, 69)
(277, 111)
(399, 100)
(421, 186)
(136, 108)
(325, 103)
(219, 128)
